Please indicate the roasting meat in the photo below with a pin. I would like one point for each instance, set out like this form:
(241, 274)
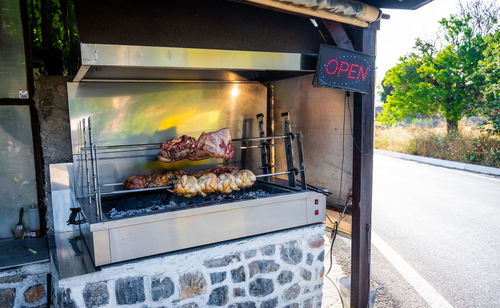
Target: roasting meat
(226, 183)
(245, 178)
(150, 181)
(215, 144)
(177, 149)
(209, 145)
(208, 184)
(217, 171)
(187, 186)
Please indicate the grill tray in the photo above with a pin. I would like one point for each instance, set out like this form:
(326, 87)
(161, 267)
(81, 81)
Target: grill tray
(154, 202)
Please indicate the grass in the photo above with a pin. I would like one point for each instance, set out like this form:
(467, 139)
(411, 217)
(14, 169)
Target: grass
(470, 145)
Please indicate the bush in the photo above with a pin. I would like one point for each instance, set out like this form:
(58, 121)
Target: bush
(469, 145)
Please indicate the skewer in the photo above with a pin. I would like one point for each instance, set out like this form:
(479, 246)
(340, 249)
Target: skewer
(118, 192)
(157, 144)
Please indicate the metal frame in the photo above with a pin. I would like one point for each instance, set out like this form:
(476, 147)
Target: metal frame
(89, 161)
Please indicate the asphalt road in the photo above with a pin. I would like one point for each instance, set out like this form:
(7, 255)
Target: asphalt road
(445, 224)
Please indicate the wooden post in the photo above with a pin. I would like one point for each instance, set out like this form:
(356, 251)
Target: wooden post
(364, 106)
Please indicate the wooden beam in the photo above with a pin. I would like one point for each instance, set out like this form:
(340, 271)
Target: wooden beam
(290, 8)
(336, 33)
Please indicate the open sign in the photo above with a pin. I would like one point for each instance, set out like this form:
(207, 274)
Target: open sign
(340, 68)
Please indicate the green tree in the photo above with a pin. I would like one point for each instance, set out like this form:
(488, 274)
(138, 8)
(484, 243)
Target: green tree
(430, 80)
(489, 71)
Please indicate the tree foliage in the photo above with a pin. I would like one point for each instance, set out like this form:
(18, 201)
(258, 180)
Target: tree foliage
(489, 70)
(54, 36)
(429, 80)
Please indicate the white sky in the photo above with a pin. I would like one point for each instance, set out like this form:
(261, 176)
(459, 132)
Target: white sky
(397, 35)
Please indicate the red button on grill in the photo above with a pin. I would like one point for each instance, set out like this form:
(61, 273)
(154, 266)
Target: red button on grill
(316, 201)
(316, 212)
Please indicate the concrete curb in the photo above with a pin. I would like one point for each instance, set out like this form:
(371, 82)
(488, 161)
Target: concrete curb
(442, 162)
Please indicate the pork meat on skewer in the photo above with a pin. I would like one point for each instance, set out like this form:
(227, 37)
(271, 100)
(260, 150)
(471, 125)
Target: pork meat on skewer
(209, 145)
(217, 171)
(187, 186)
(208, 184)
(226, 183)
(154, 180)
(245, 178)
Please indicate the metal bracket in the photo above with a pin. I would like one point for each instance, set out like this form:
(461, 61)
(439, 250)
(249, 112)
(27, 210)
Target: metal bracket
(287, 129)
(264, 150)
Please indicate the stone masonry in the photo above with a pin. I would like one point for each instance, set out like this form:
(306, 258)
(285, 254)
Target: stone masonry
(280, 269)
(24, 286)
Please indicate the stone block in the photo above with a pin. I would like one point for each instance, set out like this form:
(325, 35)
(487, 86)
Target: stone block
(268, 250)
(238, 275)
(224, 261)
(34, 293)
(285, 277)
(129, 290)
(250, 253)
(161, 287)
(262, 266)
(239, 292)
(96, 294)
(12, 278)
(294, 305)
(261, 287)
(316, 241)
(292, 292)
(192, 284)
(305, 274)
(309, 259)
(321, 256)
(190, 305)
(290, 253)
(270, 303)
(243, 305)
(307, 303)
(217, 277)
(7, 297)
(218, 296)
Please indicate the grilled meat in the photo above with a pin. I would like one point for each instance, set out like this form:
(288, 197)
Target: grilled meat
(217, 171)
(226, 183)
(215, 145)
(209, 145)
(177, 149)
(150, 181)
(208, 184)
(187, 186)
(245, 178)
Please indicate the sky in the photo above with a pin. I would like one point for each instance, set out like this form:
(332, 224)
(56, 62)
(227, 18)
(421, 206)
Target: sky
(397, 35)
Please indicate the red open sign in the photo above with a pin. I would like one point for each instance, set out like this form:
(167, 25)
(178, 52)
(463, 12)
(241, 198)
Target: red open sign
(339, 68)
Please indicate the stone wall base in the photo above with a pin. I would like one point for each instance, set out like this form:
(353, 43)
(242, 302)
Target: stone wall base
(279, 269)
(24, 286)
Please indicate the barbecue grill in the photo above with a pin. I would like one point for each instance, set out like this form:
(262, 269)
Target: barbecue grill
(119, 224)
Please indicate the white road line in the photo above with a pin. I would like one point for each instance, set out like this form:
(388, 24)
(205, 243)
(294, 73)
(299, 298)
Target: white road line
(428, 293)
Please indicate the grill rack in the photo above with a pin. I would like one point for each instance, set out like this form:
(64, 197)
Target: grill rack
(89, 159)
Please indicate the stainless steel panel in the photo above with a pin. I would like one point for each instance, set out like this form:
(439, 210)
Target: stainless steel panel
(131, 113)
(17, 166)
(318, 113)
(63, 196)
(12, 60)
(189, 58)
(73, 258)
(148, 235)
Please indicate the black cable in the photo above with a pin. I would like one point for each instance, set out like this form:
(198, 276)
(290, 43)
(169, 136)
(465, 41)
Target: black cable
(334, 235)
(343, 149)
